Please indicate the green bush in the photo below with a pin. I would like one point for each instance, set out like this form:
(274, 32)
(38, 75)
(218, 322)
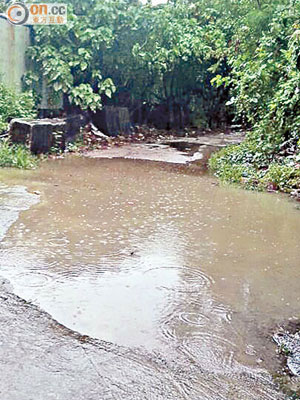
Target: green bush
(282, 177)
(17, 156)
(14, 105)
(255, 167)
(232, 165)
(263, 78)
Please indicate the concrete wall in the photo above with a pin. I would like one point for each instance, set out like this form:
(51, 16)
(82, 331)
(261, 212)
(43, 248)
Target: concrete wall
(13, 43)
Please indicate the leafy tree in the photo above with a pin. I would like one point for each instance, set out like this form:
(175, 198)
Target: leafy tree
(128, 48)
(70, 57)
(185, 55)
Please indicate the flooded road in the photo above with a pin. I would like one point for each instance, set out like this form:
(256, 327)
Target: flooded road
(186, 279)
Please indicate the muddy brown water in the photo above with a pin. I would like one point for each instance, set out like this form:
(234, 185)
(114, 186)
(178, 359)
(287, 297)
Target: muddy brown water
(153, 259)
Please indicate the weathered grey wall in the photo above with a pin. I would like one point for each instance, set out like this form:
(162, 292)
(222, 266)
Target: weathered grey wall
(13, 43)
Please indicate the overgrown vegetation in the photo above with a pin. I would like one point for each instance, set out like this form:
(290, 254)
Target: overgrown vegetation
(265, 88)
(17, 156)
(15, 105)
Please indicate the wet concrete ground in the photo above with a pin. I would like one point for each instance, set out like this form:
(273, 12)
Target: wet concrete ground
(42, 360)
(178, 151)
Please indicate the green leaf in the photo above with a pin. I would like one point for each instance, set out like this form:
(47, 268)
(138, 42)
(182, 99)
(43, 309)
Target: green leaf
(83, 66)
(108, 92)
(57, 86)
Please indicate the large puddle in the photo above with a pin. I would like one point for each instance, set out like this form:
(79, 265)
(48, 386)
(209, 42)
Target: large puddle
(142, 255)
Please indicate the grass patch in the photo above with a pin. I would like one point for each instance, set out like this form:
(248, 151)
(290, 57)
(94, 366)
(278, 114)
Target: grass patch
(16, 156)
